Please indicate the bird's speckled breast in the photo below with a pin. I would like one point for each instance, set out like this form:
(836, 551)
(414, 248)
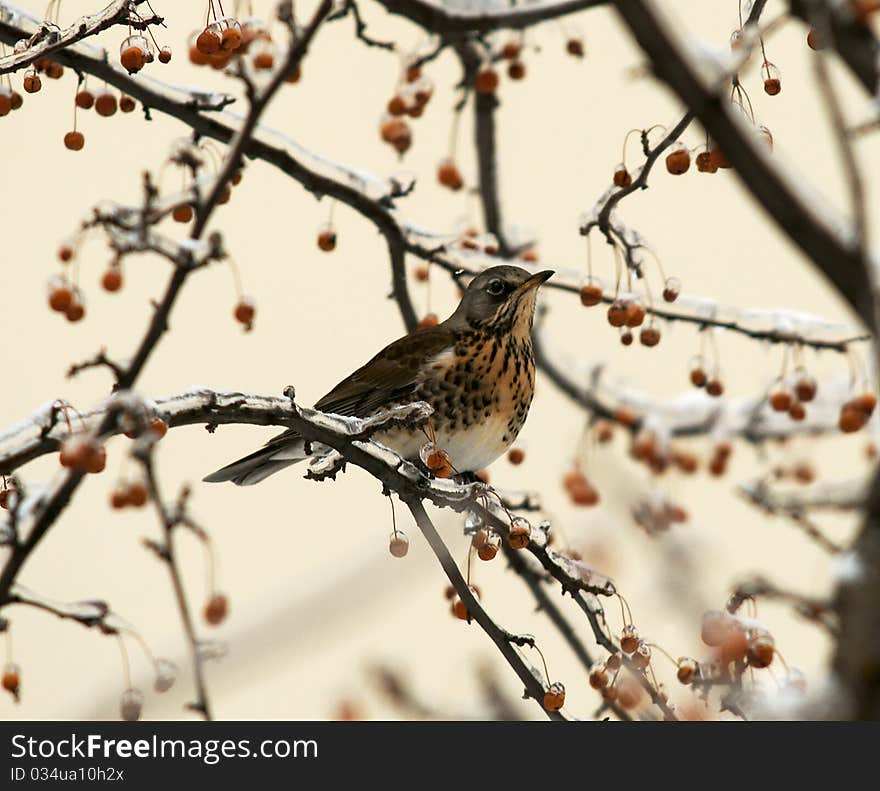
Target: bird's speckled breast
(480, 389)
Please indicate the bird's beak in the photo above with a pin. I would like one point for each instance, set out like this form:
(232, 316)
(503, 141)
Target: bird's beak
(536, 280)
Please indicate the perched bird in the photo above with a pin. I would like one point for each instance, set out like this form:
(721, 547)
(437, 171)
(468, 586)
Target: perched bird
(476, 370)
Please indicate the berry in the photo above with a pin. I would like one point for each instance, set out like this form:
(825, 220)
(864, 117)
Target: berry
(851, 418)
(866, 403)
(216, 609)
(761, 651)
(112, 279)
(625, 416)
(575, 47)
(617, 313)
(614, 662)
(119, 498)
(516, 70)
(814, 41)
(127, 103)
(397, 106)
(718, 158)
(714, 387)
(734, 646)
(629, 639)
(75, 310)
(554, 697)
(687, 670)
(398, 545)
(133, 59)
(327, 240)
(516, 456)
(511, 50)
(598, 676)
(626, 338)
(698, 377)
(413, 74)
(796, 411)
(245, 311)
(231, 39)
(671, 289)
(165, 55)
(60, 294)
(622, 178)
(85, 100)
(136, 494)
(5, 101)
(772, 86)
(649, 336)
(489, 547)
(805, 389)
(641, 657)
(486, 80)
(437, 461)
(105, 104)
(678, 161)
(519, 534)
(208, 41)
(591, 295)
(705, 163)
(629, 693)
(196, 57)
(635, 314)
(12, 679)
(579, 489)
(449, 175)
(32, 83)
(158, 427)
(74, 141)
(53, 70)
(182, 213)
(16, 100)
(781, 400)
(459, 608)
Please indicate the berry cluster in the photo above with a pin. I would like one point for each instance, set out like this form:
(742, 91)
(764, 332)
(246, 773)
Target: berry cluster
(411, 96)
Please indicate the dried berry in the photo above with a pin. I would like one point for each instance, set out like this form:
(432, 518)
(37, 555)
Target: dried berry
(687, 670)
(554, 697)
(598, 676)
(629, 639)
(678, 161)
(649, 336)
(590, 295)
(208, 41)
(671, 289)
(617, 313)
(519, 534)
(622, 178)
(761, 651)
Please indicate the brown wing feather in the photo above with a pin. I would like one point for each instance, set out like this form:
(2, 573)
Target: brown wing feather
(392, 373)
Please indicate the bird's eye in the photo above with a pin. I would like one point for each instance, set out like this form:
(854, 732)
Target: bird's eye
(495, 287)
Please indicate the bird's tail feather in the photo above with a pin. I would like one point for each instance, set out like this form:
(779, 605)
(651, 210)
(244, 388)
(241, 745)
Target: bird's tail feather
(260, 464)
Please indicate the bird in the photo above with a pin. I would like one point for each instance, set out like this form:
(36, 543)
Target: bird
(476, 370)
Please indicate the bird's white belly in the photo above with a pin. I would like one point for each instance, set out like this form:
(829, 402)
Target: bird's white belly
(469, 449)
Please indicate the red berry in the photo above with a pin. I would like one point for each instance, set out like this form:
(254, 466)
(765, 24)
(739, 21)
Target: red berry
(105, 104)
(245, 312)
(112, 279)
(486, 80)
(327, 240)
(678, 161)
(216, 609)
(85, 100)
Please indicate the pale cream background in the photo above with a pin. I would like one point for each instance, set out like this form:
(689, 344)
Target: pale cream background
(315, 596)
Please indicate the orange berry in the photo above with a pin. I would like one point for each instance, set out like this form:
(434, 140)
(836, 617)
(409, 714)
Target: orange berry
(112, 279)
(216, 609)
(604, 431)
(74, 141)
(413, 74)
(851, 419)
(516, 456)
(866, 403)
(196, 56)
(245, 311)
(16, 100)
(516, 70)
(136, 494)
(622, 178)
(119, 498)
(714, 388)
(133, 59)
(705, 163)
(230, 40)
(438, 463)
(805, 388)
(629, 639)
(781, 400)
(105, 104)
(397, 106)
(511, 50)
(75, 310)
(159, 427)
(761, 651)
(449, 175)
(127, 103)
(772, 86)
(459, 608)
(208, 42)
(575, 47)
(85, 100)
(554, 697)
(617, 313)
(60, 297)
(635, 314)
(598, 677)
(519, 534)
(264, 61)
(327, 240)
(590, 295)
(649, 336)
(486, 80)
(32, 83)
(678, 162)
(687, 670)
(796, 411)
(734, 646)
(11, 679)
(165, 55)
(614, 662)
(182, 213)
(96, 458)
(698, 377)
(625, 416)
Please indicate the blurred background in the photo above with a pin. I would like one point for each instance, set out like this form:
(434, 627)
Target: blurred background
(317, 602)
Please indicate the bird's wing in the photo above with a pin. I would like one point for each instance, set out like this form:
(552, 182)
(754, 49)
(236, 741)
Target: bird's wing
(391, 374)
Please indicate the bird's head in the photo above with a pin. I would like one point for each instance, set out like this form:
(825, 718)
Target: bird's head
(501, 297)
